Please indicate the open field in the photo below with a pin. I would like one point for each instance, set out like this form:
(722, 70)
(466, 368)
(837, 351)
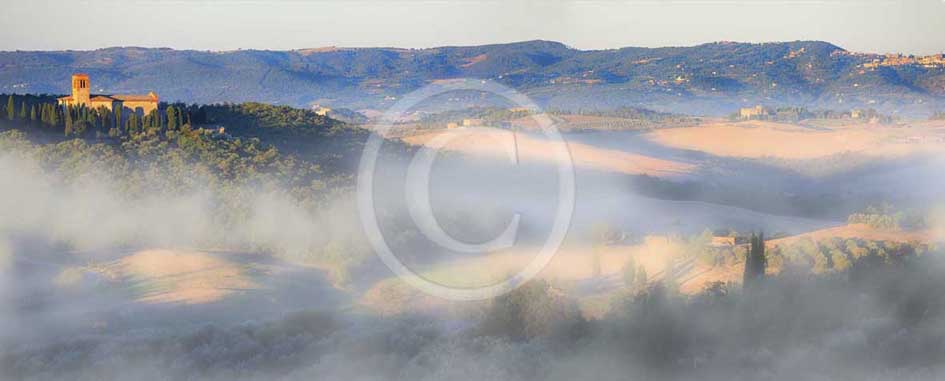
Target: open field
(494, 143)
(718, 148)
(861, 231)
(142, 288)
(174, 276)
(756, 139)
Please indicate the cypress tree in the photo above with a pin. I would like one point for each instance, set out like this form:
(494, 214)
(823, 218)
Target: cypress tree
(105, 120)
(54, 115)
(117, 118)
(24, 112)
(133, 124)
(156, 121)
(755, 262)
(747, 275)
(33, 113)
(68, 120)
(51, 115)
(173, 119)
(11, 108)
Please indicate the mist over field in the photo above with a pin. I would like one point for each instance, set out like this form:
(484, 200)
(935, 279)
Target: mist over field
(83, 255)
(512, 211)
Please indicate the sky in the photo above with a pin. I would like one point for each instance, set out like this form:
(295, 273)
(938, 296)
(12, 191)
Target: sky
(876, 26)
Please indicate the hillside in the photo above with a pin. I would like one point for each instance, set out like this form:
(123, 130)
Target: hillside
(217, 172)
(786, 141)
(711, 79)
(482, 143)
(689, 263)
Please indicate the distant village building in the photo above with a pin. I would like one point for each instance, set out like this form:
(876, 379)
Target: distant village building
(452, 125)
(81, 96)
(472, 122)
(321, 110)
(932, 61)
(753, 112)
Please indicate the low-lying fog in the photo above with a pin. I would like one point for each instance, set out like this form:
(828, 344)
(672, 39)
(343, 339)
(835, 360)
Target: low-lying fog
(97, 285)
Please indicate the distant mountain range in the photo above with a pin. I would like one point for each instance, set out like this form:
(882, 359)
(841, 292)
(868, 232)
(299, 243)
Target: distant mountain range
(709, 79)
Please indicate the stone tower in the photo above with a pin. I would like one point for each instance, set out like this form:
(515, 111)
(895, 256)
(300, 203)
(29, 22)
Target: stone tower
(80, 89)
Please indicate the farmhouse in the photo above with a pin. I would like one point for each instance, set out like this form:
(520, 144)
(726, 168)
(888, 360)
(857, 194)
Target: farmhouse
(321, 110)
(141, 104)
(753, 112)
(472, 122)
(727, 239)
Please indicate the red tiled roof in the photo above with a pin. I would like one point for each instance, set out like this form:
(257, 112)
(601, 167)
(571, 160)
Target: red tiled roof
(117, 97)
(134, 97)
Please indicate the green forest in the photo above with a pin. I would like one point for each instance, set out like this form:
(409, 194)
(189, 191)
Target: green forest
(234, 152)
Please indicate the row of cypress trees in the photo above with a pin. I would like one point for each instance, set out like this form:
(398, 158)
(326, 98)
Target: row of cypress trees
(79, 120)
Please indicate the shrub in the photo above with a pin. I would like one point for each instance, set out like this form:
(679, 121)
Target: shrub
(533, 310)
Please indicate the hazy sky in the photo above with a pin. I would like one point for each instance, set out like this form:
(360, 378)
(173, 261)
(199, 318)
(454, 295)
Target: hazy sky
(908, 26)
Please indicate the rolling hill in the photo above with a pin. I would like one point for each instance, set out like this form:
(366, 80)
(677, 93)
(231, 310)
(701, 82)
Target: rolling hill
(710, 79)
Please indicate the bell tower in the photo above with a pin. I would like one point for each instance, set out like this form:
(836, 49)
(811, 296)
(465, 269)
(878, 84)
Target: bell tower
(80, 89)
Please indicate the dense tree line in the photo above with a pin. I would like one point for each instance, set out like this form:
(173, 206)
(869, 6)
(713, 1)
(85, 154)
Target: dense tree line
(803, 255)
(837, 254)
(489, 116)
(259, 115)
(887, 217)
(620, 118)
(302, 133)
(172, 162)
(81, 121)
(797, 114)
(635, 113)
